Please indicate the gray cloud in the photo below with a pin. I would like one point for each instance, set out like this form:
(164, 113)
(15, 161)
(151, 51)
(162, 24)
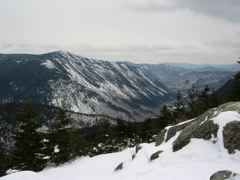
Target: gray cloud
(135, 53)
(107, 29)
(89, 48)
(123, 48)
(226, 44)
(228, 10)
(6, 46)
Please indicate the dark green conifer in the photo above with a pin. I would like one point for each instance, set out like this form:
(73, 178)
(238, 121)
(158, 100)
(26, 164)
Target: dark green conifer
(3, 160)
(60, 139)
(179, 107)
(28, 148)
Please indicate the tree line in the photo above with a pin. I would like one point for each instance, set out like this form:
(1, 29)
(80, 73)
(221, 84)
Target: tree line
(36, 146)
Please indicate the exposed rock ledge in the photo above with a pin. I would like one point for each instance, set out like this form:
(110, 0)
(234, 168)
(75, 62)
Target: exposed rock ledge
(205, 128)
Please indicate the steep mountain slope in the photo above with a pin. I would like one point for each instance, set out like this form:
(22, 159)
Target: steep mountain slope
(82, 85)
(205, 152)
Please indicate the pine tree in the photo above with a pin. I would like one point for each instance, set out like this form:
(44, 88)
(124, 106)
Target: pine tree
(3, 161)
(192, 100)
(179, 107)
(28, 148)
(166, 115)
(204, 99)
(79, 145)
(60, 139)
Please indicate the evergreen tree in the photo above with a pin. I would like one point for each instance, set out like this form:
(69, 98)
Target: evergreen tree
(179, 107)
(79, 145)
(214, 99)
(60, 139)
(204, 100)
(3, 161)
(166, 115)
(28, 149)
(192, 100)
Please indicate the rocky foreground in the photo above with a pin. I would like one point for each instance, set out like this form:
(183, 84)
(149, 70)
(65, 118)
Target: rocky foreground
(207, 147)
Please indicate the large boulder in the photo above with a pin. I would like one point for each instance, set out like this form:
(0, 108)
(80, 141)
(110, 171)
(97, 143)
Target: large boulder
(204, 127)
(231, 136)
(169, 132)
(160, 137)
(225, 175)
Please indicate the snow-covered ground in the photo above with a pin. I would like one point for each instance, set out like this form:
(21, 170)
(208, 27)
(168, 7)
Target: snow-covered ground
(196, 161)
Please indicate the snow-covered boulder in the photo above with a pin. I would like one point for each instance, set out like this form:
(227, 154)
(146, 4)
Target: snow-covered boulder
(213, 124)
(167, 133)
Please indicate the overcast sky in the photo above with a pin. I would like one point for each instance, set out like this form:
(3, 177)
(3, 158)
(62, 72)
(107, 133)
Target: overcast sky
(149, 31)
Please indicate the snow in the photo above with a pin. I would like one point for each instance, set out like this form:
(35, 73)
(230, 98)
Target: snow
(198, 160)
(56, 149)
(222, 120)
(49, 64)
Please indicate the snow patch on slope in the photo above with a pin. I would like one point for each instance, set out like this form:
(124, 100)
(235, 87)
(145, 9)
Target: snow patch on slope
(49, 64)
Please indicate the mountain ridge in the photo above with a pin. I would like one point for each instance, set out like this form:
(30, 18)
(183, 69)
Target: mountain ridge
(80, 84)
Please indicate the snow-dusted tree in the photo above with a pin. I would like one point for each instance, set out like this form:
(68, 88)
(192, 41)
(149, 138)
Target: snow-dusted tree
(60, 138)
(179, 107)
(28, 148)
(192, 100)
(166, 115)
(3, 160)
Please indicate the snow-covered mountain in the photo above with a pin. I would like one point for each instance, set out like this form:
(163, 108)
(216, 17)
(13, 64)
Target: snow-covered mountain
(203, 148)
(80, 84)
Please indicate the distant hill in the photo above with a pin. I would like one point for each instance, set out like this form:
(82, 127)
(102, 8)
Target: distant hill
(181, 76)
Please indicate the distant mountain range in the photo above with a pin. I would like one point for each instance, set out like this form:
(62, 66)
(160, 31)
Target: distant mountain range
(181, 76)
(81, 85)
(206, 67)
(118, 89)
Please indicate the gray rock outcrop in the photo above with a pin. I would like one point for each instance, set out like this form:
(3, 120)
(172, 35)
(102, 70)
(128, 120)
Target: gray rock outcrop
(225, 175)
(231, 136)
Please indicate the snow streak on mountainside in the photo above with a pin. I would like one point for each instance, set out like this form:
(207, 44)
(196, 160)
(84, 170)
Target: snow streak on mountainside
(80, 84)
